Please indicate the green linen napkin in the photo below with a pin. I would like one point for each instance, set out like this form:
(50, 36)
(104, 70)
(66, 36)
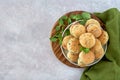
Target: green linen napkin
(109, 67)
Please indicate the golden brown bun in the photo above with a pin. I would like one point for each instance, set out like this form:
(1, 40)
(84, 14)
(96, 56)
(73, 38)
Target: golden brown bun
(94, 29)
(87, 58)
(87, 40)
(104, 37)
(99, 54)
(80, 63)
(72, 57)
(73, 45)
(65, 41)
(98, 50)
(97, 44)
(77, 29)
(92, 21)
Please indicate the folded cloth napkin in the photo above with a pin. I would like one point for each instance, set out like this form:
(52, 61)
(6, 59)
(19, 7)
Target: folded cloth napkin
(109, 67)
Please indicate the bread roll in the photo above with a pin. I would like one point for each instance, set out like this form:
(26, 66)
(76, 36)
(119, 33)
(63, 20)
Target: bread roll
(98, 50)
(92, 21)
(65, 41)
(80, 63)
(77, 29)
(72, 57)
(104, 37)
(94, 29)
(73, 45)
(87, 40)
(87, 58)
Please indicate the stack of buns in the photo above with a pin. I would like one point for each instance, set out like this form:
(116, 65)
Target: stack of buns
(92, 36)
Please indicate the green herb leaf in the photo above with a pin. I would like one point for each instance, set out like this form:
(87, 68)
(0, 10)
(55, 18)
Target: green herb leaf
(69, 21)
(60, 39)
(73, 16)
(62, 30)
(64, 17)
(60, 22)
(83, 22)
(86, 50)
(67, 32)
(81, 48)
(78, 17)
(60, 42)
(57, 28)
(53, 39)
(57, 35)
(86, 15)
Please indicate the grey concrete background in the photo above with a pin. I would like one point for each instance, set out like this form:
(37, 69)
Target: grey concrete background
(25, 25)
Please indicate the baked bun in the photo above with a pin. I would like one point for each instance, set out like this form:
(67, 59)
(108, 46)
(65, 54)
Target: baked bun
(73, 45)
(104, 37)
(72, 57)
(65, 41)
(98, 50)
(97, 44)
(87, 58)
(87, 40)
(92, 21)
(94, 29)
(77, 29)
(99, 53)
(80, 63)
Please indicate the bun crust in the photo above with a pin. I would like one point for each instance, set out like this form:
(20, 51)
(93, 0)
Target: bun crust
(77, 29)
(73, 57)
(65, 41)
(92, 21)
(87, 58)
(94, 29)
(87, 40)
(73, 45)
(98, 50)
(104, 37)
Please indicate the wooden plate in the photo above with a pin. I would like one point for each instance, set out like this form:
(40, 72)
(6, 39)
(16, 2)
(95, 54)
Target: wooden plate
(56, 47)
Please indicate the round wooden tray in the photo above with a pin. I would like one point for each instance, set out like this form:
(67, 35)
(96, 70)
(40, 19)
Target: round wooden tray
(55, 45)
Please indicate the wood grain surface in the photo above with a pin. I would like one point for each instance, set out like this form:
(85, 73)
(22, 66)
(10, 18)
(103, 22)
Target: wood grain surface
(55, 45)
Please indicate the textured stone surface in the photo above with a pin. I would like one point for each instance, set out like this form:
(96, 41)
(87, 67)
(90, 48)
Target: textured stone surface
(25, 25)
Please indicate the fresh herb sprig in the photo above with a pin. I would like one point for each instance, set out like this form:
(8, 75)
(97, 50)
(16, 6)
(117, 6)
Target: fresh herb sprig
(60, 28)
(85, 50)
(66, 20)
